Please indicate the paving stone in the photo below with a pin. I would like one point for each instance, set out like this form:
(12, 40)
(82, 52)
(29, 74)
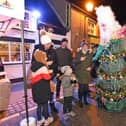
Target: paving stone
(89, 115)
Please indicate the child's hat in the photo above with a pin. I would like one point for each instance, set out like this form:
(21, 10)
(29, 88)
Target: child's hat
(45, 39)
(66, 70)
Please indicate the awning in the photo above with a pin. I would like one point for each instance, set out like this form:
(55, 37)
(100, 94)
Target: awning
(6, 23)
(16, 39)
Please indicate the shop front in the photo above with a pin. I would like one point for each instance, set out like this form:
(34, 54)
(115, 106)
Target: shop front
(10, 44)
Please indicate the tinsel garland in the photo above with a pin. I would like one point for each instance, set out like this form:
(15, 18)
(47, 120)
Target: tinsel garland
(111, 86)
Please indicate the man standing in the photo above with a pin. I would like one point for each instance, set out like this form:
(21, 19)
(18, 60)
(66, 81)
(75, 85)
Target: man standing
(64, 58)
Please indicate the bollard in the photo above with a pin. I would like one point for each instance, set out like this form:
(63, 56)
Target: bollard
(32, 122)
(4, 91)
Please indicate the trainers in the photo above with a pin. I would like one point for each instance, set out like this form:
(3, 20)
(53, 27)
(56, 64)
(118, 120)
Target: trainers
(72, 114)
(40, 122)
(65, 116)
(48, 121)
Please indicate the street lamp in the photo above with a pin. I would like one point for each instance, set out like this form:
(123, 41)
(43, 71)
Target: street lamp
(90, 6)
(36, 14)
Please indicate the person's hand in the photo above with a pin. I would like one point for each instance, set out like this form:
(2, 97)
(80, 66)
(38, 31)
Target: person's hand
(78, 49)
(58, 74)
(82, 58)
(50, 71)
(88, 69)
(49, 63)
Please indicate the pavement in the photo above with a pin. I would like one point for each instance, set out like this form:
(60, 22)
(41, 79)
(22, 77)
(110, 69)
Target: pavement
(89, 115)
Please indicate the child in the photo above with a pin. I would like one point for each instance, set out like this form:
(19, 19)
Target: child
(41, 87)
(67, 91)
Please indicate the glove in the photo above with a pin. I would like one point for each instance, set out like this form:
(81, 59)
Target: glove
(99, 51)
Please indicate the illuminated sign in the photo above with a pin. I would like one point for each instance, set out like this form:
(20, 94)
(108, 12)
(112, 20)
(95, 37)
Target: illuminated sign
(12, 8)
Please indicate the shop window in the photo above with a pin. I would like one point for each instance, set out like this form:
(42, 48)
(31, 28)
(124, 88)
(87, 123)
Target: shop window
(91, 27)
(11, 51)
(4, 54)
(27, 51)
(15, 52)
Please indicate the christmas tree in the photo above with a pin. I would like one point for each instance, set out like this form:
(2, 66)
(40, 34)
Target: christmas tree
(111, 84)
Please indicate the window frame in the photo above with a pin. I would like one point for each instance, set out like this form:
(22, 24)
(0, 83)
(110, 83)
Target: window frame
(10, 52)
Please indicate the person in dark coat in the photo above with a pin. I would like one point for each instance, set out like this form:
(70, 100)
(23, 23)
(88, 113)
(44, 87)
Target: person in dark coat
(64, 58)
(41, 86)
(52, 65)
(83, 62)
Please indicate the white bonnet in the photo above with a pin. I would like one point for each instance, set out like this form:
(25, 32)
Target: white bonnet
(45, 39)
(66, 70)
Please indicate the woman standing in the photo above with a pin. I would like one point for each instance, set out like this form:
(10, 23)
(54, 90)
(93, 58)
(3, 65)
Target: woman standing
(83, 62)
(41, 87)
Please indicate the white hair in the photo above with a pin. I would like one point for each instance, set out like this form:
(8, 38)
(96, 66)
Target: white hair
(106, 17)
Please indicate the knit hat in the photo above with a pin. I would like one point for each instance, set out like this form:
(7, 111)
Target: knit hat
(84, 43)
(45, 39)
(66, 70)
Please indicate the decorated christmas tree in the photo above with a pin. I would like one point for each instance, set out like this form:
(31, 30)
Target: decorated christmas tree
(111, 84)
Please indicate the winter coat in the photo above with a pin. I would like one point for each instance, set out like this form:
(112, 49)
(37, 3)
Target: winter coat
(51, 56)
(83, 76)
(67, 86)
(64, 57)
(41, 87)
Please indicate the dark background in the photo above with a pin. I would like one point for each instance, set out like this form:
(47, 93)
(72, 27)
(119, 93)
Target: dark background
(118, 6)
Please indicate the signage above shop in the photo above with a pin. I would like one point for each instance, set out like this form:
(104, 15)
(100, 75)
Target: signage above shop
(12, 8)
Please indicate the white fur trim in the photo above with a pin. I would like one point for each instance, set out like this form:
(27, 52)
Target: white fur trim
(42, 70)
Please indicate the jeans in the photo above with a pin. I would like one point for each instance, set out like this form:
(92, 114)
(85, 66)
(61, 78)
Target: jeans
(42, 109)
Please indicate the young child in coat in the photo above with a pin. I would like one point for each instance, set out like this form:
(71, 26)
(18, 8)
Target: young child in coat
(68, 90)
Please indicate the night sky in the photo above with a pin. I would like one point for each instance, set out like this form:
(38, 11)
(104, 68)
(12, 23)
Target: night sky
(47, 15)
(118, 6)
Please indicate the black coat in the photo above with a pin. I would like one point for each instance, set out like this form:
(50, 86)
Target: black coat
(64, 57)
(51, 56)
(41, 89)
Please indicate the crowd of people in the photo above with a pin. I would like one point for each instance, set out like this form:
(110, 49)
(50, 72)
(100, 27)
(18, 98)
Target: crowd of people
(58, 66)
(51, 66)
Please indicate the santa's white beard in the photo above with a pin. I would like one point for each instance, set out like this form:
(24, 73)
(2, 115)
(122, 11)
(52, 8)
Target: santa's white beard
(105, 36)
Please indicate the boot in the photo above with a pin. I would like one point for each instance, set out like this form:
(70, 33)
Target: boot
(53, 108)
(85, 100)
(80, 104)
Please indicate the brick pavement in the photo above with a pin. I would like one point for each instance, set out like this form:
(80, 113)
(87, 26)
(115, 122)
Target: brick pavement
(89, 115)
